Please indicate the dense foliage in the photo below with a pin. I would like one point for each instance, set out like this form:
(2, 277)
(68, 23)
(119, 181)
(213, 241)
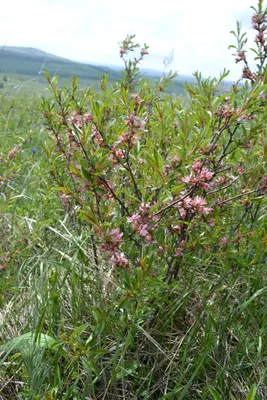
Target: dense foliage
(134, 237)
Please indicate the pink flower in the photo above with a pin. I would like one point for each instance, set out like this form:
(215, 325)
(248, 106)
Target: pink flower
(198, 205)
(119, 260)
(144, 207)
(177, 228)
(201, 176)
(116, 236)
(134, 218)
(189, 179)
(87, 118)
(221, 179)
(178, 252)
(186, 203)
(223, 241)
(76, 119)
(143, 230)
(196, 166)
(204, 185)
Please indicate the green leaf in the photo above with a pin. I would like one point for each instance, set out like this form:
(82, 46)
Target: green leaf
(27, 342)
(79, 330)
(215, 394)
(252, 393)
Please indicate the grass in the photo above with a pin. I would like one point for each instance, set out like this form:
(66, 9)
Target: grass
(68, 328)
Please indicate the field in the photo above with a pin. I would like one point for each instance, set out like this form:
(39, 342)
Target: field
(133, 238)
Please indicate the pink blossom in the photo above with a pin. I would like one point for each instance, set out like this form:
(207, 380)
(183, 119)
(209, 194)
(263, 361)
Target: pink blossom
(137, 99)
(178, 252)
(221, 179)
(143, 230)
(87, 118)
(97, 136)
(189, 179)
(144, 207)
(119, 260)
(182, 212)
(134, 218)
(206, 174)
(182, 244)
(223, 241)
(186, 203)
(196, 166)
(249, 144)
(201, 176)
(76, 119)
(177, 228)
(198, 202)
(116, 236)
(204, 185)
(131, 119)
(198, 205)
(240, 169)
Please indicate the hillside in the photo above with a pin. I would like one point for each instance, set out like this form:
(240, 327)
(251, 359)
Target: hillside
(30, 61)
(25, 64)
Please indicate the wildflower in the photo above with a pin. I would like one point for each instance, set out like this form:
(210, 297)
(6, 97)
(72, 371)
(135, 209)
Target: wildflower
(143, 230)
(87, 118)
(178, 252)
(223, 241)
(115, 236)
(144, 207)
(119, 260)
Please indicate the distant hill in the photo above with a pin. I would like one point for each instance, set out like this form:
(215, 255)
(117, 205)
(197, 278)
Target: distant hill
(30, 62)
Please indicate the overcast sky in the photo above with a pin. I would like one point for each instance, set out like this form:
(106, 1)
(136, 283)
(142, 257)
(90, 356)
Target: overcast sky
(89, 30)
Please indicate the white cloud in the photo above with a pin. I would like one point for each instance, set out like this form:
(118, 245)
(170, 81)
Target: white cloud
(198, 31)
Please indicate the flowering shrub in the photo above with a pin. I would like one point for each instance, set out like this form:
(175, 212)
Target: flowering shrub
(172, 195)
(159, 182)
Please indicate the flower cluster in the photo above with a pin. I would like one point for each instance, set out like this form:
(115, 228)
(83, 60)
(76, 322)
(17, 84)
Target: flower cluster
(110, 245)
(247, 74)
(195, 205)
(225, 111)
(119, 260)
(258, 21)
(111, 240)
(179, 251)
(140, 221)
(96, 136)
(241, 56)
(135, 123)
(200, 176)
(78, 119)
